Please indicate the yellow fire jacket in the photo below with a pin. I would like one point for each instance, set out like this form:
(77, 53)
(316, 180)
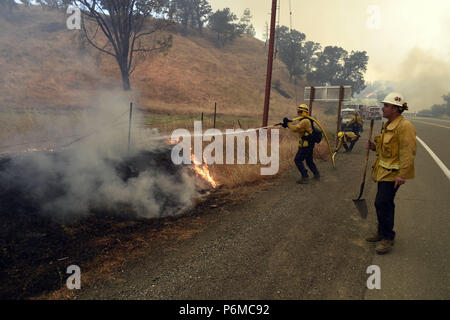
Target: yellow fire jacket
(396, 149)
(345, 137)
(303, 128)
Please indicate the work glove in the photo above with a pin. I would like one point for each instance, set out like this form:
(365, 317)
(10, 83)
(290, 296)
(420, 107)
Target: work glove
(285, 122)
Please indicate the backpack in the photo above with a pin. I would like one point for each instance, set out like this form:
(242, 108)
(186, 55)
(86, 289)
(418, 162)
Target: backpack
(315, 136)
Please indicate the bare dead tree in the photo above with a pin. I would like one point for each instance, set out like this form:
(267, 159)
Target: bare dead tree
(128, 30)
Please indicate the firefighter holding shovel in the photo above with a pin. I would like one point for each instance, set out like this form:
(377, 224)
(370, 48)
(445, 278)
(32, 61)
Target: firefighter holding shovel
(395, 150)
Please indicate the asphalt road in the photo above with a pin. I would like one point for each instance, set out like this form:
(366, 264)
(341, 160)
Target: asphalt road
(419, 265)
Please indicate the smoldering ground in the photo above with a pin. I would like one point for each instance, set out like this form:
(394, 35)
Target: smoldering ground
(95, 169)
(57, 204)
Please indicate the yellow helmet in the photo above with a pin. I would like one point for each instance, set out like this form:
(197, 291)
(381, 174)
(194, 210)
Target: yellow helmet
(303, 107)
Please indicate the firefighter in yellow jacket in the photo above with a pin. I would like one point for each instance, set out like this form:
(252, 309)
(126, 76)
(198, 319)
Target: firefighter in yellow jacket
(345, 137)
(355, 124)
(396, 150)
(305, 145)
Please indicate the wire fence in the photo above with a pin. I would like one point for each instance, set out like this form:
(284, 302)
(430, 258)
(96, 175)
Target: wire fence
(142, 134)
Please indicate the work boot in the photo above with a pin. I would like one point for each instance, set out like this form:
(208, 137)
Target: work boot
(384, 246)
(317, 176)
(374, 237)
(303, 180)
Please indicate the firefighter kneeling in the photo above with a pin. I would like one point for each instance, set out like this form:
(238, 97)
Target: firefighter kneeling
(304, 128)
(345, 137)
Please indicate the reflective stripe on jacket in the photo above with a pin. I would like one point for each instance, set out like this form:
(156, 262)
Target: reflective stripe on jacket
(396, 150)
(303, 128)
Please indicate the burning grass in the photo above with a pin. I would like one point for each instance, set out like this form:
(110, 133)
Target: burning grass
(38, 243)
(36, 249)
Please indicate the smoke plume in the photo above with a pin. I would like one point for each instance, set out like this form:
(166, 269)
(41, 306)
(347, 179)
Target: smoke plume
(95, 170)
(422, 79)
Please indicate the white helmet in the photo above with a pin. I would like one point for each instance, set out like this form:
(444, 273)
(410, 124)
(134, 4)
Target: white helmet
(394, 98)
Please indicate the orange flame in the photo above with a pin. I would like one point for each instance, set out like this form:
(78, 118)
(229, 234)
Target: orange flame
(370, 94)
(203, 172)
(172, 142)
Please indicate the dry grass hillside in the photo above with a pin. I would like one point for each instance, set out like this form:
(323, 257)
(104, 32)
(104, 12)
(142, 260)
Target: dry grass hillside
(47, 75)
(43, 65)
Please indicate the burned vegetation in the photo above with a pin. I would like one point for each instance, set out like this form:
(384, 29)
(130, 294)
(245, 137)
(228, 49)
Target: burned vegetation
(47, 225)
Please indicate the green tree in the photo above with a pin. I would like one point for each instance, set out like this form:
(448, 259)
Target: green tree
(55, 4)
(308, 56)
(355, 65)
(223, 23)
(290, 44)
(328, 67)
(334, 66)
(438, 110)
(202, 10)
(266, 34)
(246, 22)
(193, 13)
(183, 10)
(446, 98)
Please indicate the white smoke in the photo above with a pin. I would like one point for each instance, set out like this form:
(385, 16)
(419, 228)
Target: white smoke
(423, 78)
(95, 170)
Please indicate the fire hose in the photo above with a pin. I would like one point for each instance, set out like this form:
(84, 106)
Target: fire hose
(323, 131)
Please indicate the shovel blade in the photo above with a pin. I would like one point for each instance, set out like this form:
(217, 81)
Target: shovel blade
(361, 205)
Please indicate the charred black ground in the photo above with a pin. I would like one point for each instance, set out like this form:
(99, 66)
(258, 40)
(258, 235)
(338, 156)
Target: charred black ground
(36, 247)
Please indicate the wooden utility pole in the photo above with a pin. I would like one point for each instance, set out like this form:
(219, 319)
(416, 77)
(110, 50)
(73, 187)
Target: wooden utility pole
(215, 113)
(270, 64)
(129, 127)
(311, 99)
(341, 97)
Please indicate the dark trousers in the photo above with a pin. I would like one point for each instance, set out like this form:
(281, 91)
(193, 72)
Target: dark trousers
(352, 144)
(385, 207)
(302, 155)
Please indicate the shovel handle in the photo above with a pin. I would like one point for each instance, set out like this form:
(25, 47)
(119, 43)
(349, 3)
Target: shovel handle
(367, 161)
(368, 150)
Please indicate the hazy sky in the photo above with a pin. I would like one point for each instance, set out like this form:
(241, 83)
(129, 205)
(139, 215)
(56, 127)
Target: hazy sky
(407, 32)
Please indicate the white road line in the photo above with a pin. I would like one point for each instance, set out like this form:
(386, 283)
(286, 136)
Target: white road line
(435, 158)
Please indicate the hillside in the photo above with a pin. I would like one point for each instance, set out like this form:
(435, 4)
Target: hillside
(44, 65)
